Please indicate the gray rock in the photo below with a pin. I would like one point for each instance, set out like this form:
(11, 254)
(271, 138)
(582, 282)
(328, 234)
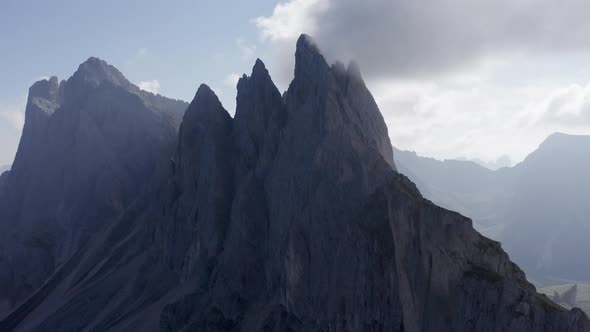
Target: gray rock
(290, 217)
(87, 147)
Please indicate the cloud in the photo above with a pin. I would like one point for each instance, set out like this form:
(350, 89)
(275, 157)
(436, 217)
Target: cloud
(231, 80)
(291, 18)
(247, 51)
(14, 114)
(479, 120)
(152, 86)
(448, 75)
(416, 38)
(569, 106)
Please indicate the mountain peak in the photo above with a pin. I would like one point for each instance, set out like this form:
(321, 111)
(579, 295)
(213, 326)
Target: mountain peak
(306, 42)
(259, 70)
(309, 61)
(96, 71)
(259, 113)
(45, 88)
(354, 70)
(559, 139)
(259, 67)
(205, 105)
(204, 92)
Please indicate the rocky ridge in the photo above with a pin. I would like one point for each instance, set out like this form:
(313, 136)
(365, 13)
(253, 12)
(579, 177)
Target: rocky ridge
(87, 146)
(289, 217)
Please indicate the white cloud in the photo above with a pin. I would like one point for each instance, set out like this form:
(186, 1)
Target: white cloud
(231, 80)
(152, 86)
(569, 106)
(14, 114)
(247, 51)
(448, 75)
(479, 120)
(141, 52)
(410, 38)
(291, 18)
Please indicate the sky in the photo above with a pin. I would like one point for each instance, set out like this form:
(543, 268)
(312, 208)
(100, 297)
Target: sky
(486, 80)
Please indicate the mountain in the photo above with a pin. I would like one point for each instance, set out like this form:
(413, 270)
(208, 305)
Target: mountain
(460, 185)
(570, 295)
(2, 170)
(87, 147)
(550, 209)
(500, 162)
(288, 217)
(538, 209)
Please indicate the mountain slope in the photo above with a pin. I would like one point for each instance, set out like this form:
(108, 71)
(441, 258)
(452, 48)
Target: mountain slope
(550, 206)
(88, 144)
(538, 209)
(462, 186)
(289, 217)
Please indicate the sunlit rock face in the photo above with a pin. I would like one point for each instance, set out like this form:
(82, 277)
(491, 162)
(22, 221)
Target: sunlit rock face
(289, 217)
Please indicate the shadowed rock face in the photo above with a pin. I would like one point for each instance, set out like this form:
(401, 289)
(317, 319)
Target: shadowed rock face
(87, 148)
(289, 217)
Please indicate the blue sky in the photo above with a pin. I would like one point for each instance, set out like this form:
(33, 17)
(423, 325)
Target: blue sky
(453, 78)
(178, 43)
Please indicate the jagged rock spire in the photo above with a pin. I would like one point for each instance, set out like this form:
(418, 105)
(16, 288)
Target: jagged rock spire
(259, 113)
(205, 109)
(336, 97)
(325, 237)
(309, 61)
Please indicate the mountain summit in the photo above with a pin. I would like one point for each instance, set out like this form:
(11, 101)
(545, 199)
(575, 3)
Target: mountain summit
(95, 71)
(288, 217)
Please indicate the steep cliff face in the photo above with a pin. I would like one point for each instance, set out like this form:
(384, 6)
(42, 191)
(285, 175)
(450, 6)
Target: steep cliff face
(290, 217)
(298, 184)
(87, 146)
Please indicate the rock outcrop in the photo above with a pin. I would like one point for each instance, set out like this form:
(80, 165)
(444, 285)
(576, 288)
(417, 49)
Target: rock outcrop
(289, 217)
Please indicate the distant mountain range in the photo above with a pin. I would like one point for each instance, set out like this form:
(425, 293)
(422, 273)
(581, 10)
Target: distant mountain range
(570, 295)
(538, 209)
(502, 161)
(127, 211)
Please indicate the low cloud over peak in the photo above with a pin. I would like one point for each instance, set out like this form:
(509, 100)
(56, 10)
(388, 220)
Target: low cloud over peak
(152, 86)
(415, 38)
(454, 78)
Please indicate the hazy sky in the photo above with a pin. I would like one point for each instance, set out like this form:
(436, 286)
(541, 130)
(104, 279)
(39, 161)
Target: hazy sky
(453, 78)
